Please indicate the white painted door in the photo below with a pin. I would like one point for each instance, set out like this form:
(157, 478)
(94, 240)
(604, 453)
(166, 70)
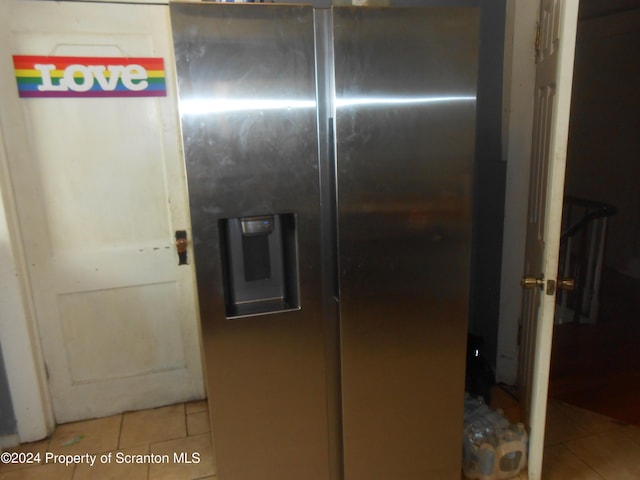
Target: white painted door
(554, 72)
(100, 190)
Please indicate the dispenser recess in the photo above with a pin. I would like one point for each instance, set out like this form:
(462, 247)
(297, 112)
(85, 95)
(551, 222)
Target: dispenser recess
(259, 255)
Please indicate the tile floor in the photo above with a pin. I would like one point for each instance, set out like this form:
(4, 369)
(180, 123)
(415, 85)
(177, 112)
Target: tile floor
(580, 445)
(161, 432)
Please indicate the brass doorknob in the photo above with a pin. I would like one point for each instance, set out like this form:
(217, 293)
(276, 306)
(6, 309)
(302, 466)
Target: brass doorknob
(532, 282)
(566, 284)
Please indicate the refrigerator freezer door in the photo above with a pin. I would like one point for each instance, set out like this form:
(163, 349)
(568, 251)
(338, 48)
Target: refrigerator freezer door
(405, 121)
(246, 80)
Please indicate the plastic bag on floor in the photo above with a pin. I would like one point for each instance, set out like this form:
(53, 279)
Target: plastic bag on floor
(493, 448)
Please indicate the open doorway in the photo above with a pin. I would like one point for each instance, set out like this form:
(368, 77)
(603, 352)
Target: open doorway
(596, 364)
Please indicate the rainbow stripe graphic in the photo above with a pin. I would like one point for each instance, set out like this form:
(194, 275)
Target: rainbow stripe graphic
(49, 76)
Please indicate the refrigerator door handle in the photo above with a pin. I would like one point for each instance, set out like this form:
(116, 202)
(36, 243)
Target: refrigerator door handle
(334, 211)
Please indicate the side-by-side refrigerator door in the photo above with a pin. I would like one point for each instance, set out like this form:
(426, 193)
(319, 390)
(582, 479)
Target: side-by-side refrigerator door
(246, 78)
(405, 128)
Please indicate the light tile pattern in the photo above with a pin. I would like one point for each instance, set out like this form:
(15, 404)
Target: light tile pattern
(583, 445)
(167, 443)
(155, 425)
(580, 445)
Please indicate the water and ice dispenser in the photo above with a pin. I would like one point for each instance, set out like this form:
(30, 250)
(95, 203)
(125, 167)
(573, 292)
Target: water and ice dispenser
(260, 264)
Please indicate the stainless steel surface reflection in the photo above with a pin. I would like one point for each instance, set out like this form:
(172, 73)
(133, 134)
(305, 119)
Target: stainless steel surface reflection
(247, 101)
(405, 121)
(356, 126)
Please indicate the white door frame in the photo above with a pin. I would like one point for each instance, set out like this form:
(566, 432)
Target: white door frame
(519, 85)
(24, 362)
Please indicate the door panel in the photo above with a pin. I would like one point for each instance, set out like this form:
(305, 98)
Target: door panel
(248, 110)
(100, 169)
(100, 190)
(89, 320)
(554, 69)
(405, 122)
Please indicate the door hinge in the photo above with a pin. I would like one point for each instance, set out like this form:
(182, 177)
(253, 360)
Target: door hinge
(537, 42)
(46, 370)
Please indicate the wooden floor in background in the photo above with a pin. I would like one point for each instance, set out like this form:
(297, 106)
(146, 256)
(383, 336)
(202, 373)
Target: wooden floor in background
(597, 367)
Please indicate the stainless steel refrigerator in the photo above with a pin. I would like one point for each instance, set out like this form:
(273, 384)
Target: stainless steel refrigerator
(329, 162)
